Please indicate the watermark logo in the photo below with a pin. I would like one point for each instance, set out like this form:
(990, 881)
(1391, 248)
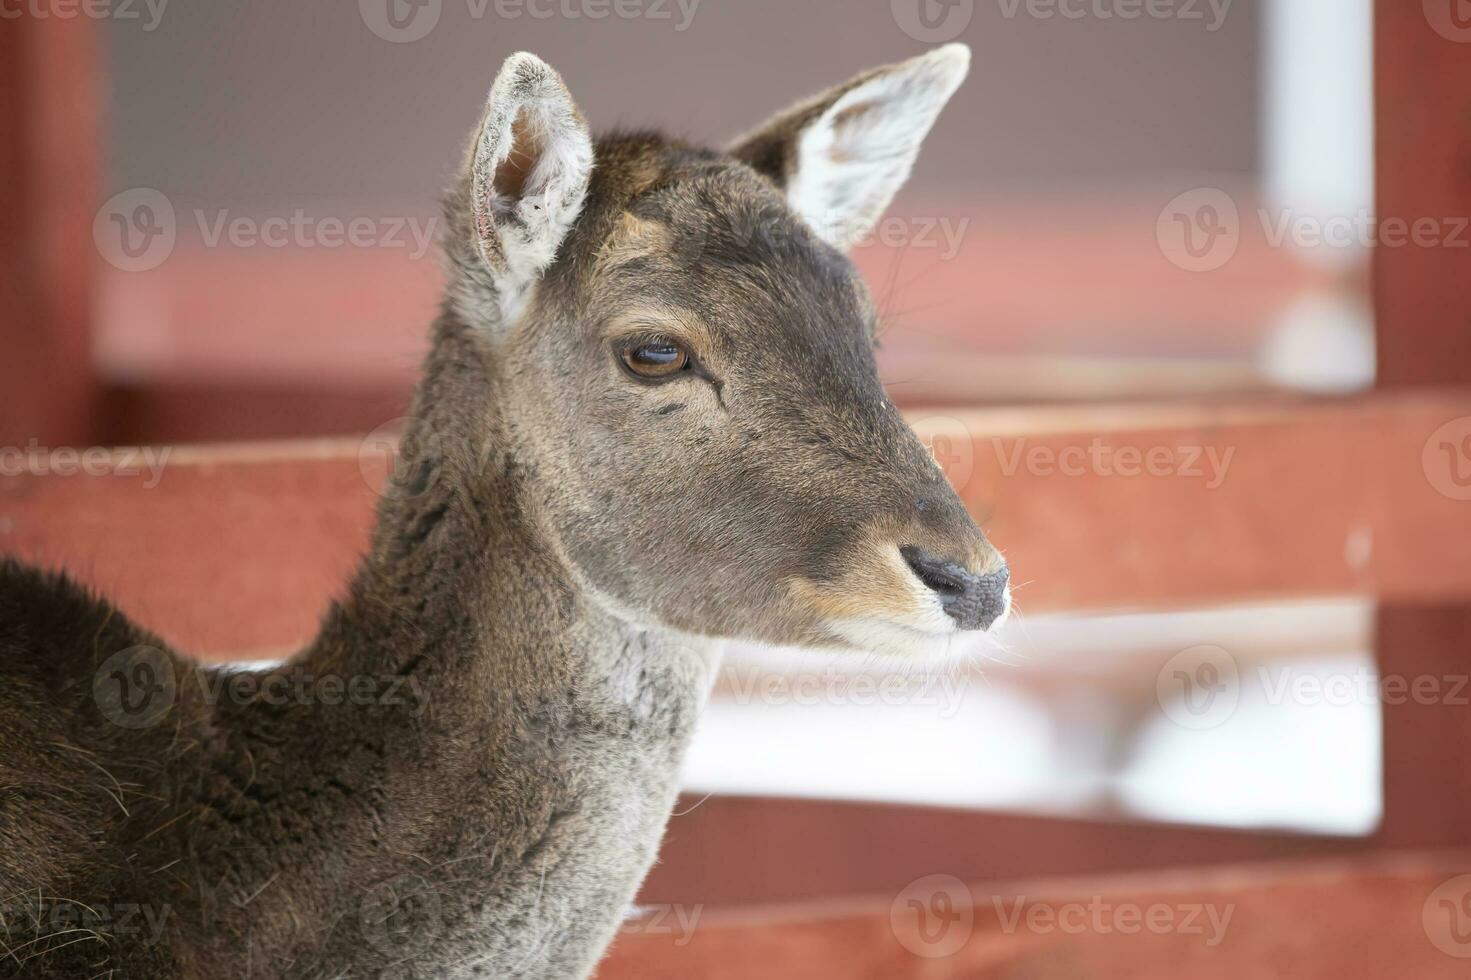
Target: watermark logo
(950, 446)
(1208, 464)
(400, 21)
(932, 21)
(302, 230)
(1362, 229)
(135, 230)
(36, 924)
(296, 684)
(1446, 917)
(681, 11)
(1360, 686)
(405, 21)
(35, 459)
(942, 690)
(124, 10)
(1451, 19)
(1101, 917)
(769, 230)
(1211, 13)
(1199, 687)
(677, 920)
(401, 915)
(935, 233)
(1447, 459)
(136, 687)
(400, 459)
(933, 916)
(1200, 230)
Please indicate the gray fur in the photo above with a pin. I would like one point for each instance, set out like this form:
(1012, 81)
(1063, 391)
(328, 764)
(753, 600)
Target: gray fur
(554, 568)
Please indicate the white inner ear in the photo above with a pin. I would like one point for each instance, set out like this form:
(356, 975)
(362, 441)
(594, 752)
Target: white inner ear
(858, 153)
(532, 163)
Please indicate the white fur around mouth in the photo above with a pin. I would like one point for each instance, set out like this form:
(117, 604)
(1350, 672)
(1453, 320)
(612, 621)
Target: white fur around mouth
(939, 638)
(884, 636)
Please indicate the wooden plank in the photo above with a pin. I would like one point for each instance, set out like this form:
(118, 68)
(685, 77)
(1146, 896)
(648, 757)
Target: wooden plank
(1422, 293)
(1427, 740)
(195, 343)
(1316, 499)
(233, 552)
(1325, 921)
(1190, 505)
(1423, 309)
(170, 410)
(732, 851)
(48, 154)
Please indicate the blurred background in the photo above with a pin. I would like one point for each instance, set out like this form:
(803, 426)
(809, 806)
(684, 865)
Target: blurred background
(1023, 263)
(1146, 229)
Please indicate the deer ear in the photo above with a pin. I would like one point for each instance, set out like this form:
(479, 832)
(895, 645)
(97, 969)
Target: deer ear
(842, 155)
(529, 170)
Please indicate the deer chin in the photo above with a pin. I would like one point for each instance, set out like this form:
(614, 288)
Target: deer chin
(886, 637)
(880, 607)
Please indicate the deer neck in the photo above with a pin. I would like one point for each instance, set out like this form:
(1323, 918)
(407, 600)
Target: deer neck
(546, 729)
(465, 589)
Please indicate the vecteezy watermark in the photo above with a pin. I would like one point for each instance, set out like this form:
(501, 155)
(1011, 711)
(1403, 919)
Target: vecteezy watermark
(136, 687)
(926, 233)
(932, 21)
(677, 920)
(37, 922)
(1202, 229)
(933, 917)
(1211, 13)
(148, 11)
(1362, 229)
(1201, 687)
(1199, 230)
(139, 686)
(301, 230)
(1451, 19)
(1100, 916)
(680, 12)
(1447, 459)
(1446, 916)
(295, 684)
(941, 690)
(34, 459)
(1192, 462)
(1286, 684)
(768, 229)
(405, 21)
(137, 230)
(951, 446)
(401, 459)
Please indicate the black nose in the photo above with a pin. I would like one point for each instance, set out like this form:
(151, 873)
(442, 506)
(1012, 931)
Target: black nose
(973, 601)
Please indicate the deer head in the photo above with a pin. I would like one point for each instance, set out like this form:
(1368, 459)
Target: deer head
(682, 358)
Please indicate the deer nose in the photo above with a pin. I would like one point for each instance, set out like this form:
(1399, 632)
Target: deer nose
(973, 601)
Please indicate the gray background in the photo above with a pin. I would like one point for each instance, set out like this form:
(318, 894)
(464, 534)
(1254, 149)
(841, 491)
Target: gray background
(267, 103)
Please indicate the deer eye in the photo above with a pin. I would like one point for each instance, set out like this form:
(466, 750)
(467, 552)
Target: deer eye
(654, 359)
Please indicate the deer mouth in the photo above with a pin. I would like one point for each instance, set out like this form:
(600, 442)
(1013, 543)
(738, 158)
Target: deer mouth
(891, 603)
(876, 634)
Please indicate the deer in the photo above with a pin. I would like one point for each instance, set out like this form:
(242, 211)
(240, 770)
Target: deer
(650, 424)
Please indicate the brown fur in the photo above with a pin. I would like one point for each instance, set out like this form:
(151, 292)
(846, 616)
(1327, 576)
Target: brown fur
(551, 569)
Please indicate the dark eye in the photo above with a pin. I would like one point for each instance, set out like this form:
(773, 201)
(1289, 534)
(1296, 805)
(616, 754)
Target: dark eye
(654, 359)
